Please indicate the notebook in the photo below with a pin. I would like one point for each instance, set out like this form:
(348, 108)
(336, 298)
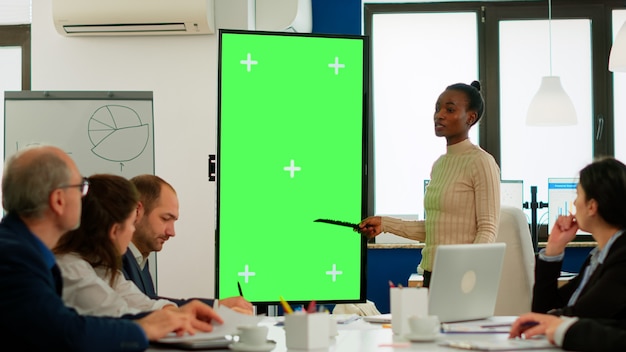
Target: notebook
(221, 336)
(502, 345)
(215, 343)
(465, 279)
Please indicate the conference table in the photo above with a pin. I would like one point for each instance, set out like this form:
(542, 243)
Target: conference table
(361, 336)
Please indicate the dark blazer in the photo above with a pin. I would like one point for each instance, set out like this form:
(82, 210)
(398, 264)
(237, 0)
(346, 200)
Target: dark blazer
(33, 316)
(604, 295)
(596, 335)
(143, 280)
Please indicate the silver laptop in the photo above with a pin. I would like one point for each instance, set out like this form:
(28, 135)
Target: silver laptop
(465, 280)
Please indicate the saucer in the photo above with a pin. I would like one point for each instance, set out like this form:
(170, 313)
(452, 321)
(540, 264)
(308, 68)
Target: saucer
(422, 338)
(267, 346)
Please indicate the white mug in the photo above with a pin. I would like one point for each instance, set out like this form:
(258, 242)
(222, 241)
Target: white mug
(424, 325)
(252, 335)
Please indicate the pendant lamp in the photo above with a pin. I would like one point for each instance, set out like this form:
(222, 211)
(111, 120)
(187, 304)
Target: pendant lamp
(617, 58)
(551, 106)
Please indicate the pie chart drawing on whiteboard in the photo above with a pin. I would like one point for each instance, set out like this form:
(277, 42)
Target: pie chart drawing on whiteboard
(117, 133)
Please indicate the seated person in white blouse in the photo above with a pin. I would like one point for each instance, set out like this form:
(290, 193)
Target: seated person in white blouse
(90, 256)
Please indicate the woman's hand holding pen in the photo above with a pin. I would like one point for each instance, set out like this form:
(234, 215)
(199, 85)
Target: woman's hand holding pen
(531, 324)
(563, 232)
(370, 226)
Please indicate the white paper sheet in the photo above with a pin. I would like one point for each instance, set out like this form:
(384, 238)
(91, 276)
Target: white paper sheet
(232, 320)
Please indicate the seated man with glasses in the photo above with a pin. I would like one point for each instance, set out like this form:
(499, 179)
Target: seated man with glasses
(41, 194)
(83, 186)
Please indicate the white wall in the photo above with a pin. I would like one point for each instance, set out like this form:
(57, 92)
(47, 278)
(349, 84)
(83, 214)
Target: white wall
(182, 73)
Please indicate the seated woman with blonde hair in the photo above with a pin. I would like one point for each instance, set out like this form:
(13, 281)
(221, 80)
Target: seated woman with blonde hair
(90, 257)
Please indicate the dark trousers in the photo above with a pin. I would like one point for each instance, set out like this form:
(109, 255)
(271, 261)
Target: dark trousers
(426, 282)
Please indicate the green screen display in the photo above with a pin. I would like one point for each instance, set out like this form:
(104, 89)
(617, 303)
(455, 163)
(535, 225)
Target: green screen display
(290, 150)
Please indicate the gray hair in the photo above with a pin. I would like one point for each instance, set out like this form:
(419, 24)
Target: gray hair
(28, 180)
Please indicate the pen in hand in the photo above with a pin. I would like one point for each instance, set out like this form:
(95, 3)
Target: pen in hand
(239, 288)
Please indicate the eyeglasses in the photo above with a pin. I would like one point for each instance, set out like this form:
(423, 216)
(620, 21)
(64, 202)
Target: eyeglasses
(84, 186)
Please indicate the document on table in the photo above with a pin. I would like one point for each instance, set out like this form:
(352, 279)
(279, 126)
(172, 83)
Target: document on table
(503, 345)
(345, 318)
(378, 319)
(232, 320)
(485, 326)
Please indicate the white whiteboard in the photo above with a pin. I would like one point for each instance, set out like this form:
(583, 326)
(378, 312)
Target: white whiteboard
(104, 132)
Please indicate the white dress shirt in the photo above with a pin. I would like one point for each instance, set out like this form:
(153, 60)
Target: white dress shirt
(141, 260)
(561, 330)
(88, 291)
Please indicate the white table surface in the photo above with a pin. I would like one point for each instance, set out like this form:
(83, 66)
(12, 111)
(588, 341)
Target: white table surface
(360, 336)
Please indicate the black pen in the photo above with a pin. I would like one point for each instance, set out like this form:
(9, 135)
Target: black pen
(239, 287)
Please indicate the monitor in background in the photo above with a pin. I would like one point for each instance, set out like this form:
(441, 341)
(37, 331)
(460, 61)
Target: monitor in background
(512, 193)
(291, 149)
(561, 195)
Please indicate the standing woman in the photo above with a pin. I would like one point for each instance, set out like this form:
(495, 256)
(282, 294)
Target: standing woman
(462, 200)
(90, 257)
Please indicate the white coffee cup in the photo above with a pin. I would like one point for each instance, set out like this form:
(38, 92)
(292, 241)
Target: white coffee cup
(425, 326)
(252, 335)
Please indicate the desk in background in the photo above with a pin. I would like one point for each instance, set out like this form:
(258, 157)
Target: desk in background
(415, 280)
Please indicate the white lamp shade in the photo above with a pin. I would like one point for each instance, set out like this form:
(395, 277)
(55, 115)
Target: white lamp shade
(551, 106)
(617, 58)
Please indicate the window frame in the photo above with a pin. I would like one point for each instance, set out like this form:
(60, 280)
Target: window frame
(19, 35)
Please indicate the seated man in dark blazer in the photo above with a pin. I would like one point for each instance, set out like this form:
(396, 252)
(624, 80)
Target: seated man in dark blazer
(41, 194)
(573, 334)
(156, 214)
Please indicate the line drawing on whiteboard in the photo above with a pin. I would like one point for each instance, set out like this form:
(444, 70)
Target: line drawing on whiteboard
(117, 133)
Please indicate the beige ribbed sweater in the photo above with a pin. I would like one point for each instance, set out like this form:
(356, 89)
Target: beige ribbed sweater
(462, 202)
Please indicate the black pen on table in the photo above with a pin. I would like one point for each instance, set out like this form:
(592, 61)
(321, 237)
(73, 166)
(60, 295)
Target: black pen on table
(239, 288)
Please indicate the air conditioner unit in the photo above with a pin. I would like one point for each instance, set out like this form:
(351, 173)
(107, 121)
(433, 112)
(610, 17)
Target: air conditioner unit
(284, 15)
(133, 17)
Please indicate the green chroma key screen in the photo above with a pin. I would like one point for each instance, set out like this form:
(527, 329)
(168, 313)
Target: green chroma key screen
(291, 149)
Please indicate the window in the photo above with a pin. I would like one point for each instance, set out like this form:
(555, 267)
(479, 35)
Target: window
(536, 153)
(619, 90)
(14, 65)
(409, 73)
(511, 43)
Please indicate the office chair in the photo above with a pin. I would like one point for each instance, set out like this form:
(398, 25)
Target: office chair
(518, 271)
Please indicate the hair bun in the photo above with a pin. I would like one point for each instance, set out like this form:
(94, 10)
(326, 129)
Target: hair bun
(476, 85)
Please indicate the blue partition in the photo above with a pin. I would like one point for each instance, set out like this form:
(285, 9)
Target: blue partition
(398, 264)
